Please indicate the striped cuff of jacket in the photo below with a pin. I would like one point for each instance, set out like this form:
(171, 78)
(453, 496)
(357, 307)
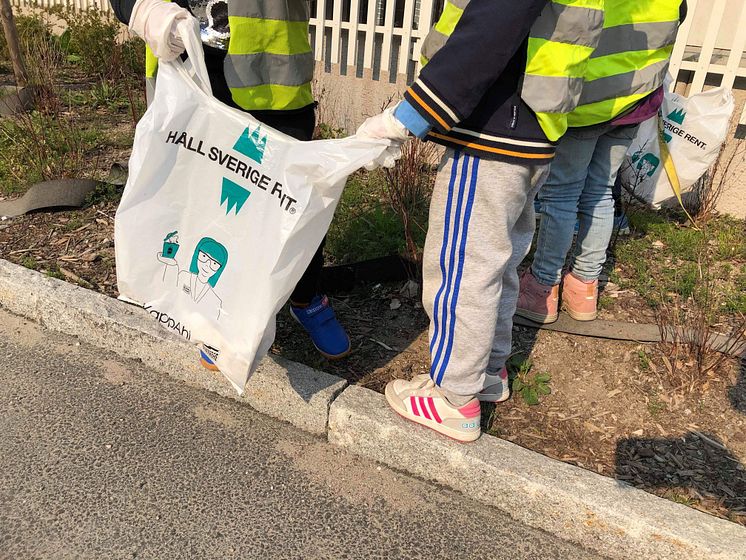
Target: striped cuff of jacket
(431, 107)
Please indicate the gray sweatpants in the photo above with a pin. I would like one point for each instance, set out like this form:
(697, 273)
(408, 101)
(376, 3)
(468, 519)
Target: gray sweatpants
(481, 227)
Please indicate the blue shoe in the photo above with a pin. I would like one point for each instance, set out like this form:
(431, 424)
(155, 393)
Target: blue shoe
(319, 320)
(621, 224)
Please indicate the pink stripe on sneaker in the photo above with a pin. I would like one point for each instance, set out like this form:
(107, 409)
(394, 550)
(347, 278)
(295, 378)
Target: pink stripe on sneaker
(503, 374)
(413, 404)
(423, 408)
(471, 409)
(433, 410)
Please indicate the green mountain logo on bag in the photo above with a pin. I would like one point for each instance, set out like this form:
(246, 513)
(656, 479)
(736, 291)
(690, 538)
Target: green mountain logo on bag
(234, 195)
(252, 144)
(677, 116)
(673, 126)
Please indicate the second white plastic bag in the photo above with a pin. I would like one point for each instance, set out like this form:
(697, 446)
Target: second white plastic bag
(693, 128)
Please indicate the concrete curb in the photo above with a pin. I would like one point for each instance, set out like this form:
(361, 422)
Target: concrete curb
(594, 511)
(279, 388)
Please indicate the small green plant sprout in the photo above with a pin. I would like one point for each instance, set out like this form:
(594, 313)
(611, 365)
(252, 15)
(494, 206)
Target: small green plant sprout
(531, 385)
(54, 272)
(605, 302)
(655, 405)
(74, 223)
(29, 262)
(644, 359)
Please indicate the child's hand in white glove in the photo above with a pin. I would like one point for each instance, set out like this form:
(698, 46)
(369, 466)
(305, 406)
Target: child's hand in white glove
(155, 22)
(384, 126)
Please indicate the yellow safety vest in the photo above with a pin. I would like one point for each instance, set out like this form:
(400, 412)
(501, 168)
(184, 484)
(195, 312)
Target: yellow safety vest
(560, 45)
(269, 65)
(630, 60)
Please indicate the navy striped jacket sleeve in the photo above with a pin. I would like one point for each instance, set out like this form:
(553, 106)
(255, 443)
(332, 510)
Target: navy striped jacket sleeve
(486, 38)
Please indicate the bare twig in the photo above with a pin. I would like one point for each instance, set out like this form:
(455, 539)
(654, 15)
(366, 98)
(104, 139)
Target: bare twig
(708, 191)
(408, 188)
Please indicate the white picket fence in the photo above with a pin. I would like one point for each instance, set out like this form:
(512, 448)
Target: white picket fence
(384, 37)
(376, 35)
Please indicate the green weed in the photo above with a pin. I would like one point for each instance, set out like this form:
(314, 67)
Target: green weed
(656, 406)
(605, 302)
(103, 193)
(644, 360)
(89, 41)
(31, 31)
(38, 147)
(29, 262)
(365, 226)
(681, 499)
(532, 386)
(54, 272)
(74, 223)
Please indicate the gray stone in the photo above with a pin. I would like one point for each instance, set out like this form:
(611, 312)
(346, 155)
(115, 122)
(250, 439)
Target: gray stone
(14, 100)
(279, 388)
(293, 392)
(594, 511)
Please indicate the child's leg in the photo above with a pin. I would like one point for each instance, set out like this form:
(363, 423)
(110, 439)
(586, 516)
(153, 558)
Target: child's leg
(521, 236)
(474, 212)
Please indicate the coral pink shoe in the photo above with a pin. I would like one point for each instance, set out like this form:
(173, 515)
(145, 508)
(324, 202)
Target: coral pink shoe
(537, 302)
(580, 298)
(420, 400)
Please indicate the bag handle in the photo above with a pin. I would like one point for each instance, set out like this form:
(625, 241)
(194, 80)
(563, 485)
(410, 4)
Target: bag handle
(673, 176)
(188, 30)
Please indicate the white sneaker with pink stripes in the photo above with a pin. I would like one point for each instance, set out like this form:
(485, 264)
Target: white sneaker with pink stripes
(421, 401)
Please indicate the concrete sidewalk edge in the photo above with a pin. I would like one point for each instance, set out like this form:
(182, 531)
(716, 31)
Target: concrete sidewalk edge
(596, 512)
(279, 388)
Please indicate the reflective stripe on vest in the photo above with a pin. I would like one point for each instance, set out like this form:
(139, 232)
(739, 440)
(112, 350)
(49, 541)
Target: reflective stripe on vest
(151, 63)
(269, 65)
(560, 45)
(270, 62)
(631, 59)
(452, 12)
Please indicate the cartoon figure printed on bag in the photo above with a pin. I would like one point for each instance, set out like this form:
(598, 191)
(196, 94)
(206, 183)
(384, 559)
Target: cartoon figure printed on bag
(646, 163)
(198, 282)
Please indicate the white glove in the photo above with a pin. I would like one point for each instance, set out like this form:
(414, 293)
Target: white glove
(155, 22)
(384, 127)
(387, 159)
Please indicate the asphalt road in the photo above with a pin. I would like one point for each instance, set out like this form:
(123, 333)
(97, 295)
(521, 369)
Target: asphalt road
(101, 458)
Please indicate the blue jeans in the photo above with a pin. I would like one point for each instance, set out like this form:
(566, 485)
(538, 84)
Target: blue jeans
(579, 186)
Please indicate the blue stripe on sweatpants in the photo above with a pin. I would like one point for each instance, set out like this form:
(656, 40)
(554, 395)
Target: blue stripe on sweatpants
(450, 272)
(446, 229)
(460, 273)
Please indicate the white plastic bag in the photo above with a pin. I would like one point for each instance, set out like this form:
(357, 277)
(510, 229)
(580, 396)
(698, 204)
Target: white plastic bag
(221, 215)
(694, 129)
